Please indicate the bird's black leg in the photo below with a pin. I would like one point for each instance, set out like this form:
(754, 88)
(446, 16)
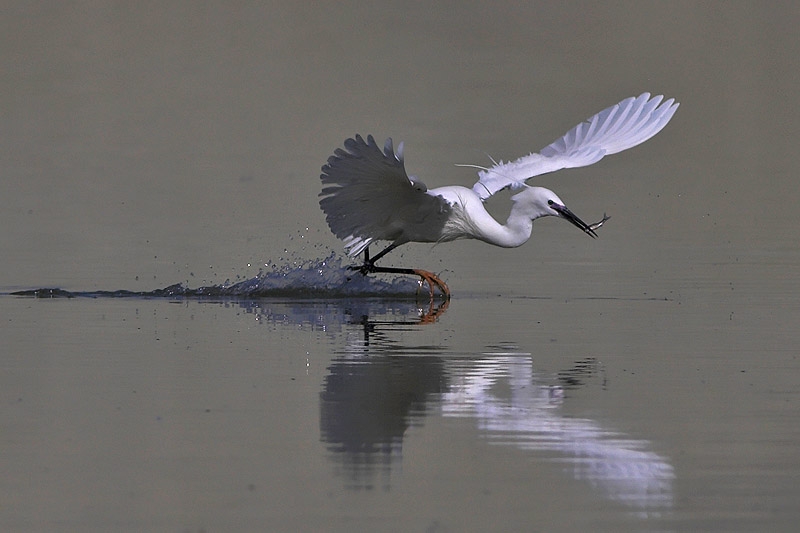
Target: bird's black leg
(367, 266)
(369, 263)
(381, 254)
(428, 277)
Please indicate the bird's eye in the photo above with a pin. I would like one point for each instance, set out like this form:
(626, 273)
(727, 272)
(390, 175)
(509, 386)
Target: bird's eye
(550, 202)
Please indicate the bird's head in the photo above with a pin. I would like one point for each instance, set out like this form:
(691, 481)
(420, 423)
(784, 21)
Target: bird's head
(540, 202)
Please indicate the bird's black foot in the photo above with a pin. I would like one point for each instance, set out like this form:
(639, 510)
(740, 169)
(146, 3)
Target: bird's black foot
(366, 268)
(430, 278)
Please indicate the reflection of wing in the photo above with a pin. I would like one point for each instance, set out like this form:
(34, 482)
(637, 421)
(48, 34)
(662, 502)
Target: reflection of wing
(368, 196)
(367, 405)
(617, 128)
(623, 468)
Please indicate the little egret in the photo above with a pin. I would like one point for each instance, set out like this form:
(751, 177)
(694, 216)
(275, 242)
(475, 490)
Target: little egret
(367, 195)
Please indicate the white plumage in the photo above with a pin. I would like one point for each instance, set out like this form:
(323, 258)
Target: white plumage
(617, 128)
(368, 196)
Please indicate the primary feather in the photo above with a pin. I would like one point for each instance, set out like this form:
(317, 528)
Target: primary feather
(368, 196)
(617, 128)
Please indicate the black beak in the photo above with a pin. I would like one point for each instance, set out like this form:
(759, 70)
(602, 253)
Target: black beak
(569, 215)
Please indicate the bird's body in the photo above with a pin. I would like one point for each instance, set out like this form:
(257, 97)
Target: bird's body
(369, 197)
(469, 219)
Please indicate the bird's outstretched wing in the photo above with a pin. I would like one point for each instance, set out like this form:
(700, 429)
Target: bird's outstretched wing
(368, 196)
(617, 128)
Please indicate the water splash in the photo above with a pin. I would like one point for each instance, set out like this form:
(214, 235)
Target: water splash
(313, 278)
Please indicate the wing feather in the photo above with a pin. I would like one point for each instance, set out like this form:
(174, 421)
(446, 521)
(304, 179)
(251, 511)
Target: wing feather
(614, 129)
(368, 196)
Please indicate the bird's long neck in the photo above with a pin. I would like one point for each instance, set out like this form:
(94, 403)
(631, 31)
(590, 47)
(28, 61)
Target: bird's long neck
(515, 232)
(471, 220)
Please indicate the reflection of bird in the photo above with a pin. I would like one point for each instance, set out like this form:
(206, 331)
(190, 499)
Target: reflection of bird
(527, 415)
(368, 196)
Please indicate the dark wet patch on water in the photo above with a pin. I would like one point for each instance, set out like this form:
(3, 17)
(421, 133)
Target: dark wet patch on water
(316, 278)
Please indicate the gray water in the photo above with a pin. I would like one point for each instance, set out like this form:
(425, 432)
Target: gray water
(646, 380)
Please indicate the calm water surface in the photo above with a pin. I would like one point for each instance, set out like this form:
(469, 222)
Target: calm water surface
(643, 381)
(505, 413)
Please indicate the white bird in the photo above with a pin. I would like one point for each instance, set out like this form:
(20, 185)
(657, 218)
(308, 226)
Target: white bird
(367, 195)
